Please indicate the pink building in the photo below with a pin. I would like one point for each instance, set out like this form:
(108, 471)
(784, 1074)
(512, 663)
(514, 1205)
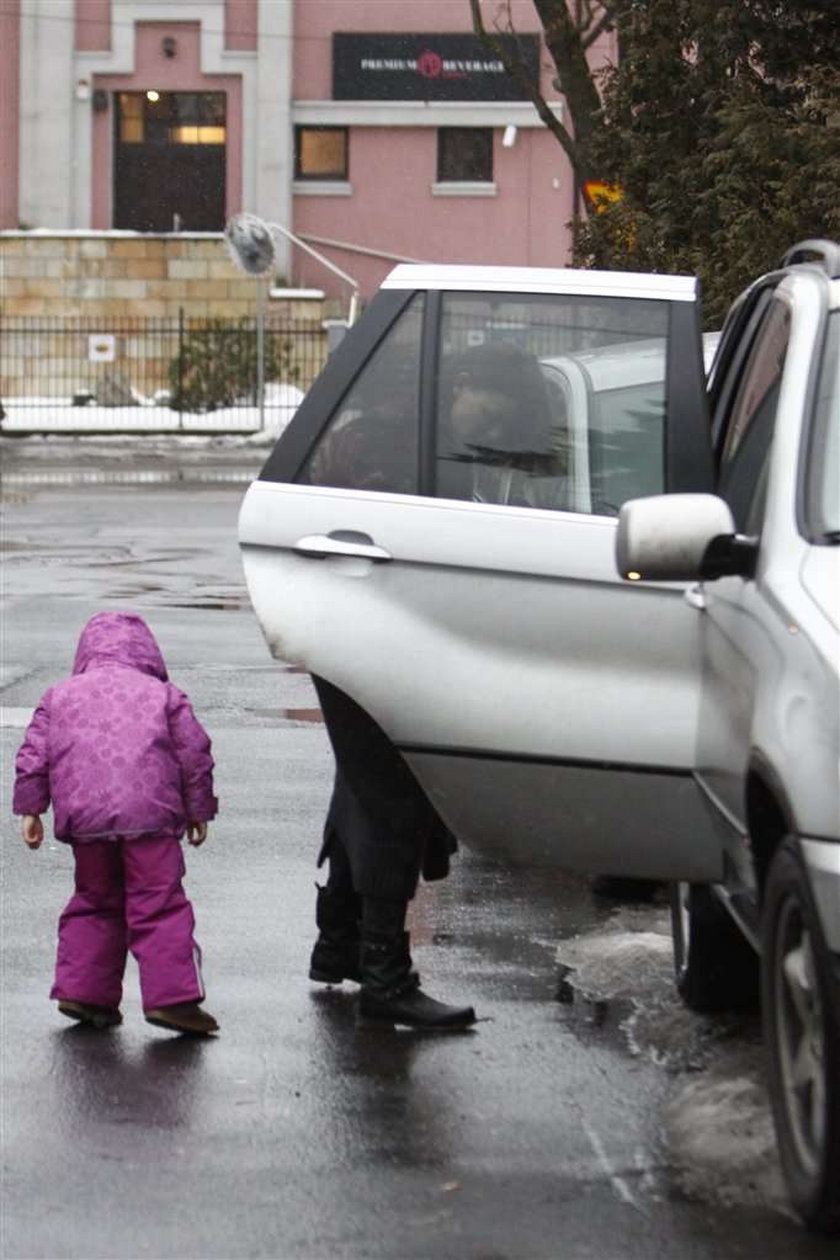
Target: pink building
(375, 130)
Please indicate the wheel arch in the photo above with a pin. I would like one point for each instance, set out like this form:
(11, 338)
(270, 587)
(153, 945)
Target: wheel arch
(769, 816)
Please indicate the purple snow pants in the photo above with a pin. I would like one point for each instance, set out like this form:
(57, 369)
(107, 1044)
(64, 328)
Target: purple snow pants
(129, 896)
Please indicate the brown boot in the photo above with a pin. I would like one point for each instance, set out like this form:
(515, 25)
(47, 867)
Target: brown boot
(184, 1017)
(85, 1013)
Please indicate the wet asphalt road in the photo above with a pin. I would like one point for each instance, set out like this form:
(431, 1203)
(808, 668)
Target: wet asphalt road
(544, 1132)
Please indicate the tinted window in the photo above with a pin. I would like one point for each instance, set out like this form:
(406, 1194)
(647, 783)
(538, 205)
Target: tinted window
(823, 484)
(749, 429)
(371, 441)
(554, 403)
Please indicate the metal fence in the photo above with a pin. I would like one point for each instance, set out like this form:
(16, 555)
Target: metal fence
(81, 374)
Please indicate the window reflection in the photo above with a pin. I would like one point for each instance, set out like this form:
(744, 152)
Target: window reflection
(555, 403)
(372, 441)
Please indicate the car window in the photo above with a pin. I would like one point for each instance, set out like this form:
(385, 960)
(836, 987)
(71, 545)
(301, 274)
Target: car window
(554, 403)
(734, 346)
(629, 451)
(748, 432)
(372, 440)
(823, 476)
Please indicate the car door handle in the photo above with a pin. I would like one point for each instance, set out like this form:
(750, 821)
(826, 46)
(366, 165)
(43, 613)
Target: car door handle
(342, 542)
(696, 597)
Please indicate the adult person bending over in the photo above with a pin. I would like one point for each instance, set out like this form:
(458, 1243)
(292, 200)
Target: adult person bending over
(381, 831)
(381, 834)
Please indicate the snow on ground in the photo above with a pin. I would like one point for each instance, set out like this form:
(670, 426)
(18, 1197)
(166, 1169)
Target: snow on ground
(125, 459)
(717, 1126)
(59, 415)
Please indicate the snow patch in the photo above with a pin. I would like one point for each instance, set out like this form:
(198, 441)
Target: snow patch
(718, 1127)
(720, 1137)
(150, 415)
(617, 964)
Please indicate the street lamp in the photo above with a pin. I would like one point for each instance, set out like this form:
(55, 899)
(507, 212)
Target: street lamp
(250, 242)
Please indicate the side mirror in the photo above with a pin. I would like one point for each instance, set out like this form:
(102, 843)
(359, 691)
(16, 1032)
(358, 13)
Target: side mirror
(680, 538)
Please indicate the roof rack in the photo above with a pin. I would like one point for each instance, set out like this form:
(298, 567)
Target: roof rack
(824, 253)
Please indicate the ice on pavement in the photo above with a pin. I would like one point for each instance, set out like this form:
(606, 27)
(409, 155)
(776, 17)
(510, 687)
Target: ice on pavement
(719, 1135)
(717, 1130)
(618, 963)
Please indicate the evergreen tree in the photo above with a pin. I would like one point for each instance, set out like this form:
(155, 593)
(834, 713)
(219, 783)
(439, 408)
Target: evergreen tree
(721, 126)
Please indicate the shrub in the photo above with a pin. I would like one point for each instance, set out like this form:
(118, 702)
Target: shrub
(217, 365)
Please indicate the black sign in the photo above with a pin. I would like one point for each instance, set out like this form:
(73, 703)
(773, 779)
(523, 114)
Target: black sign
(426, 68)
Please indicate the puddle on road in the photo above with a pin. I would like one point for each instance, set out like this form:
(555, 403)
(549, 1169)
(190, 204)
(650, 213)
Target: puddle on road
(213, 600)
(164, 555)
(231, 604)
(291, 715)
(11, 547)
(43, 555)
(303, 715)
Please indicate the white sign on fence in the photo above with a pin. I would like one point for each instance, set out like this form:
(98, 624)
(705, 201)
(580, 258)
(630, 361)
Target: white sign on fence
(102, 348)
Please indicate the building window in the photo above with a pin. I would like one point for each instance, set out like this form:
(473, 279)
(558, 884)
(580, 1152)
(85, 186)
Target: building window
(165, 118)
(321, 153)
(465, 155)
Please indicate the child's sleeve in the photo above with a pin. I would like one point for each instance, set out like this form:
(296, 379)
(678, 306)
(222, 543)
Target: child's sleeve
(192, 748)
(32, 764)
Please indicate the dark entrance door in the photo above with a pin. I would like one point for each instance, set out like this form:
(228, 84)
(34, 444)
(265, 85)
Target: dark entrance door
(169, 164)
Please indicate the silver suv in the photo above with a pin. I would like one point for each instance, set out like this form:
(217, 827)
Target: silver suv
(434, 535)
(764, 552)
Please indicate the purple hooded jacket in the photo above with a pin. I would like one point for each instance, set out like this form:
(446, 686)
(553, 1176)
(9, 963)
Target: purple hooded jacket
(116, 747)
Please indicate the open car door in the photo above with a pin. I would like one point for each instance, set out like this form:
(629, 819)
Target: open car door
(434, 535)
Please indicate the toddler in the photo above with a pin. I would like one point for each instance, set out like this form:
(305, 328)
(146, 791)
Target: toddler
(127, 766)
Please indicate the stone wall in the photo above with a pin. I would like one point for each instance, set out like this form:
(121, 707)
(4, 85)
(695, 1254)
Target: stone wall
(114, 274)
(57, 288)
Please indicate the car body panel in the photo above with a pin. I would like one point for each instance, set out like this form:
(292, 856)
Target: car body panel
(529, 670)
(820, 577)
(566, 280)
(769, 717)
(771, 655)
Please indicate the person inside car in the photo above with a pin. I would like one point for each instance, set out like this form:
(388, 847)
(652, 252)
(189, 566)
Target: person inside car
(502, 436)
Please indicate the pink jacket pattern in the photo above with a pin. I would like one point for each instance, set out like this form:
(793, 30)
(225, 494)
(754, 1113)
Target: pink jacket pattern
(116, 747)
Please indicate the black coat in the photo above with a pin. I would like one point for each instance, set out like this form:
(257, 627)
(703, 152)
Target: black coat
(378, 812)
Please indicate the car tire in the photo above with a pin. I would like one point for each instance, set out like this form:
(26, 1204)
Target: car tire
(802, 1033)
(716, 967)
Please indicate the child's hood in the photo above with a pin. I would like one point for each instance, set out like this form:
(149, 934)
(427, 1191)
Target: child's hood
(119, 639)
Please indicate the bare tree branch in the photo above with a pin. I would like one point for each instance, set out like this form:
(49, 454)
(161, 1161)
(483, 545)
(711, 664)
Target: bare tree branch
(530, 88)
(604, 23)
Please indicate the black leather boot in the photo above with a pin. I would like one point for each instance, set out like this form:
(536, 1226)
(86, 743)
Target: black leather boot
(335, 955)
(391, 992)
